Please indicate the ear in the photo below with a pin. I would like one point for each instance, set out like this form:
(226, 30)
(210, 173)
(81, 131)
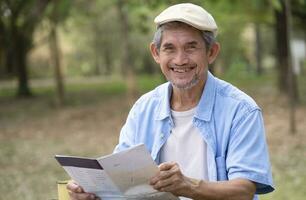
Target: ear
(154, 52)
(213, 52)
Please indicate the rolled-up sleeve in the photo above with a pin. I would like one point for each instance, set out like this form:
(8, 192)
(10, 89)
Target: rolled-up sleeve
(247, 155)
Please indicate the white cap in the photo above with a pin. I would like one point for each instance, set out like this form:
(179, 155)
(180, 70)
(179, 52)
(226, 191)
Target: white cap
(190, 14)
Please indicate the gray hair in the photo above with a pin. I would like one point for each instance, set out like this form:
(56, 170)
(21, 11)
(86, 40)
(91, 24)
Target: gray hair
(207, 36)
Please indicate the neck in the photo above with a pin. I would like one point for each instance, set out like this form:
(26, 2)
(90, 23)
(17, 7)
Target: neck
(186, 99)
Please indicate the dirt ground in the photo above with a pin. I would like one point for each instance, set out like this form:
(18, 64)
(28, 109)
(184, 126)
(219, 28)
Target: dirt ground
(33, 131)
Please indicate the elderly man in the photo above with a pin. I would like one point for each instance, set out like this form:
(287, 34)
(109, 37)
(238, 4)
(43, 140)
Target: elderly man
(206, 135)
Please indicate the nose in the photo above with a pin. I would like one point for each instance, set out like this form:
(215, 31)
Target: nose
(180, 58)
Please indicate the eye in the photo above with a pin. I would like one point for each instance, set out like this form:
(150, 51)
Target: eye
(191, 48)
(168, 49)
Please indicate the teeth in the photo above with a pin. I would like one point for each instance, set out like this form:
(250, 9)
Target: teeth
(181, 70)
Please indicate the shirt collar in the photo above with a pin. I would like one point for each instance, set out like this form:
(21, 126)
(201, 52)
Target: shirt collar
(164, 110)
(207, 101)
(204, 108)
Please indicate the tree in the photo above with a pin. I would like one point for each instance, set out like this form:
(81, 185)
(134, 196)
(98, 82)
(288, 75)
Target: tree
(126, 47)
(297, 9)
(18, 21)
(101, 47)
(281, 47)
(58, 12)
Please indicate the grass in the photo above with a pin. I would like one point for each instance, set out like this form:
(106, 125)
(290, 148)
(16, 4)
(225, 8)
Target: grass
(34, 130)
(289, 175)
(27, 171)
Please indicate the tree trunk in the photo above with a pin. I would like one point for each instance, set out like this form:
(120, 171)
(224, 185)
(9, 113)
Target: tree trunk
(126, 57)
(107, 61)
(9, 61)
(21, 46)
(258, 49)
(2, 68)
(96, 49)
(291, 84)
(18, 38)
(2, 49)
(7, 44)
(282, 50)
(56, 62)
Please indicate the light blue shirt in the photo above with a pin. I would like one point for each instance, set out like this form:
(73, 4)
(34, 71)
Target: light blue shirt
(229, 121)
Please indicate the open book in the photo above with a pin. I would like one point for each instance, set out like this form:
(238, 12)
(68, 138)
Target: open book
(124, 175)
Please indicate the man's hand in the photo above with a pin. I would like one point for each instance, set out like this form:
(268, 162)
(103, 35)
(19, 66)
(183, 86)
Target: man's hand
(171, 179)
(76, 192)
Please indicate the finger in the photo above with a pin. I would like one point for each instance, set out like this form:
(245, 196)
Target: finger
(175, 170)
(167, 179)
(162, 183)
(172, 167)
(154, 179)
(168, 188)
(166, 166)
(74, 187)
(82, 196)
(167, 174)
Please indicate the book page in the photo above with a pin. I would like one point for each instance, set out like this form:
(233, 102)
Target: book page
(124, 175)
(131, 170)
(89, 174)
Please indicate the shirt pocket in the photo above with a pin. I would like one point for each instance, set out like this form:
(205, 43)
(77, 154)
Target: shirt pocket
(221, 168)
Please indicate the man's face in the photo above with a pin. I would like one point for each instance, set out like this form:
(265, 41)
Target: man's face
(183, 57)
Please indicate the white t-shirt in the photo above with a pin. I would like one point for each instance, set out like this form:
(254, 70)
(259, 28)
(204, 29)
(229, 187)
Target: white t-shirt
(186, 146)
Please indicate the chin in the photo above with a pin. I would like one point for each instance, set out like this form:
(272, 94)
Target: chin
(185, 86)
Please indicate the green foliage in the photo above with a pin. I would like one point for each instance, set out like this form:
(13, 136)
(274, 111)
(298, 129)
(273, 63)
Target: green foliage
(7, 92)
(276, 4)
(241, 75)
(59, 10)
(149, 82)
(91, 35)
(99, 48)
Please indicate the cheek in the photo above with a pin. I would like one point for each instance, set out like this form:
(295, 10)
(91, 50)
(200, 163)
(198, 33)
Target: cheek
(201, 62)
(164, 68)
(164, 63)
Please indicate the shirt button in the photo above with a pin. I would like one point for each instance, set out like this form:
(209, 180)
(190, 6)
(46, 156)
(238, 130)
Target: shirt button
(162, 136)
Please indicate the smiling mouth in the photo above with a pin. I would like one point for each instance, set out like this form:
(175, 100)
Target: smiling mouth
(182, 70)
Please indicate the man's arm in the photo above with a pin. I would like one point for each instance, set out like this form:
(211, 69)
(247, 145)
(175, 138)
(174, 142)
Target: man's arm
(171, 179)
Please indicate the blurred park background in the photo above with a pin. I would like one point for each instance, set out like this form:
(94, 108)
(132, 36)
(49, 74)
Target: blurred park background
(71, 69)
